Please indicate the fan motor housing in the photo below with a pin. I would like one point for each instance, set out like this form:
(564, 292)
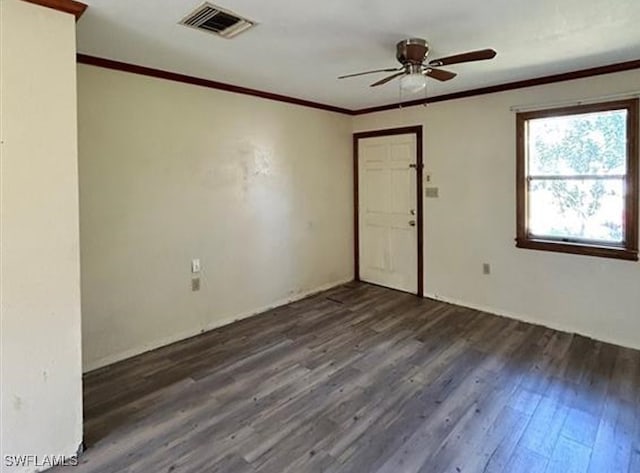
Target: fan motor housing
(412, 51)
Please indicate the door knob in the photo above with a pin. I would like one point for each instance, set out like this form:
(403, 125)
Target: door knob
(412, 223)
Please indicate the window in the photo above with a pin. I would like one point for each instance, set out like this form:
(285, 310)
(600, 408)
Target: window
(577, 180)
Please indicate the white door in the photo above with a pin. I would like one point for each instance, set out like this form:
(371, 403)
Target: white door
(387, 211)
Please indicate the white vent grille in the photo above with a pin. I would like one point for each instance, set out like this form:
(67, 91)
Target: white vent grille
(213, 19)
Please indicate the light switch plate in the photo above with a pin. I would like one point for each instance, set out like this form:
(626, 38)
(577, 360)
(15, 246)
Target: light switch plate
(431, 192)
(195, 284)
(195, 265)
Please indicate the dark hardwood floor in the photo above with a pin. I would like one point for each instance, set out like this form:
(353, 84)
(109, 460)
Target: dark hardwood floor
(362, 379)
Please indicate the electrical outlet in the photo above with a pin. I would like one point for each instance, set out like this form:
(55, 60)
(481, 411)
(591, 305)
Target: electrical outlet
(486, 268)
(195, 284)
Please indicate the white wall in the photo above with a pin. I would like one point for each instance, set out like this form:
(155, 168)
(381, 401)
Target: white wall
(39, 243)
(469, 149)
(260, 191)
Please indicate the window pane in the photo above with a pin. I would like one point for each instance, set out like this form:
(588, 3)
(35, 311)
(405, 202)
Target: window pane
(590, 143)
(586, 209)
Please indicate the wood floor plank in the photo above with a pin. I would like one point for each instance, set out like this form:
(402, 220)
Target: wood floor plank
(513, 424)
(613, 445)
(569, 456)
(363, 379)
(526, 461)
(547, 421)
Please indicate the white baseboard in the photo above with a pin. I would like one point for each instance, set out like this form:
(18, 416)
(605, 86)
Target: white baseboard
(530, 320)
(110, 359)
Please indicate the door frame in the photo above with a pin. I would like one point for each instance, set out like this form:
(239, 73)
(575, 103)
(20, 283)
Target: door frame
(415, 130)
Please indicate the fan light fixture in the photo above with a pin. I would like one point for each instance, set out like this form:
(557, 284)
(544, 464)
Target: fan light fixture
(413, 83)
(414, 67)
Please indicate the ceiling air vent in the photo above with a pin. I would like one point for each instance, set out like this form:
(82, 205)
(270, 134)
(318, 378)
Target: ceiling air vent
(213, 19)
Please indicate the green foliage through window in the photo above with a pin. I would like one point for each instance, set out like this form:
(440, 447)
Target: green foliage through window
(576, 176)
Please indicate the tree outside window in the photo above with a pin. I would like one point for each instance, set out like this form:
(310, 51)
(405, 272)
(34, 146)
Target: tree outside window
(577, 179)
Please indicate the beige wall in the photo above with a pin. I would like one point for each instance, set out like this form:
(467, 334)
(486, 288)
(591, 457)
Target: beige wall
(260, 191)
(470, 152)
(39, 248)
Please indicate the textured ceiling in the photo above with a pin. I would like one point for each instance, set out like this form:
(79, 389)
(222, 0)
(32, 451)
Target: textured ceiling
(300, 47)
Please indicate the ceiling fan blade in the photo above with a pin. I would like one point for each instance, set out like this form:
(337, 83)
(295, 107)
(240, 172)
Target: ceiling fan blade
(440, 74)
(387, 79)
(394, 69)
(479, 55)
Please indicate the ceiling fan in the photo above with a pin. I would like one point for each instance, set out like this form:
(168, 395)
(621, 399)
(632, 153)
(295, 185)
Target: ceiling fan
(412, 54)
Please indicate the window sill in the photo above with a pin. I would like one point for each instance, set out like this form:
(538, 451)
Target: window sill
(578, 249)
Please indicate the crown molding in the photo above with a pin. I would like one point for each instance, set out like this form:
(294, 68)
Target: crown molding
(66, 6)
(173, 76)
(521, 84)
